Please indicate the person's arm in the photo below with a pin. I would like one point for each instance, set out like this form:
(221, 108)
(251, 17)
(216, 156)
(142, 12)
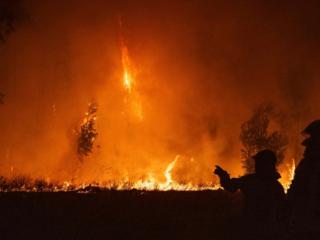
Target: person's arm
(229, 184)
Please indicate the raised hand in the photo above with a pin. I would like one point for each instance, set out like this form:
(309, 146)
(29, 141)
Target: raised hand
(220, 172)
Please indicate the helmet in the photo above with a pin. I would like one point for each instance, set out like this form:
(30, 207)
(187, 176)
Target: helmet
(265, 163)
(313, 129)
(266, 156)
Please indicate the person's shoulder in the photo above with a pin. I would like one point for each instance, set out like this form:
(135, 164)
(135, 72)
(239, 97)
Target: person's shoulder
(304, 167)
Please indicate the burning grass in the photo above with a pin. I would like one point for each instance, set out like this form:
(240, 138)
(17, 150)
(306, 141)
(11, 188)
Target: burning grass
(22, 183)
(27, 184)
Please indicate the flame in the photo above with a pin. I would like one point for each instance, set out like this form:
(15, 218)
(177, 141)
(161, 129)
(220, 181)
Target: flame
(129, 80)
(168, 171)
(152, 183)
(128, 76)
(148, 184)
(290, 170)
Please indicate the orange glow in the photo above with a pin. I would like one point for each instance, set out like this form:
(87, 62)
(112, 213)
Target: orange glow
(292, 171)
(129, 81)
(164, 120)
(149, 184)
(169, 170)
(288, 174)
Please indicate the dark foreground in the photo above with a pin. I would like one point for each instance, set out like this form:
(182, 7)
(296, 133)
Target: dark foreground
(118, 215)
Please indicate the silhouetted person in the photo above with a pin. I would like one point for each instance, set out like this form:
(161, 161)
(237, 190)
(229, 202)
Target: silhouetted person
(304, 193)
(263, 195)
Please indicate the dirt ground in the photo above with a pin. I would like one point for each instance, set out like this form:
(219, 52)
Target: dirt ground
(119, 215)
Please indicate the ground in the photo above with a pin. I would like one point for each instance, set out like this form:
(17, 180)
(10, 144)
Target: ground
(119, 215)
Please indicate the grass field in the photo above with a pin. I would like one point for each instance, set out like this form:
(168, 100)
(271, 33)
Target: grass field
(119, 215)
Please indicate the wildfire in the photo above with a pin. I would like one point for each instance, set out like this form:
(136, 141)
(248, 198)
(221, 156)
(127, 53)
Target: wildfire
(87, 134)
(152, 183)
(129, 80)
(292, 170)
(149, 184)
(286, 182)
(168, 171)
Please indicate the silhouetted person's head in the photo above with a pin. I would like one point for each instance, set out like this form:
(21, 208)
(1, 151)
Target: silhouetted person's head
(265, 162)
(313, 129)
(312, 142)
(313, 133)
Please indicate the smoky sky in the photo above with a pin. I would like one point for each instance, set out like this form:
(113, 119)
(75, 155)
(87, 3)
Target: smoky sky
(202, 67)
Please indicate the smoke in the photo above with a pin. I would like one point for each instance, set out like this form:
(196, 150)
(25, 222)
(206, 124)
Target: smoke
(202, 67)
(11, 15)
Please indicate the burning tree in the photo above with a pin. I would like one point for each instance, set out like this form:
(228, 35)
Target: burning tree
(88, 132)
(255, 137)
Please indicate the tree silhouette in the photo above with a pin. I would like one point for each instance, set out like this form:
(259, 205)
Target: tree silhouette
(88, 132)
(255, 137)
